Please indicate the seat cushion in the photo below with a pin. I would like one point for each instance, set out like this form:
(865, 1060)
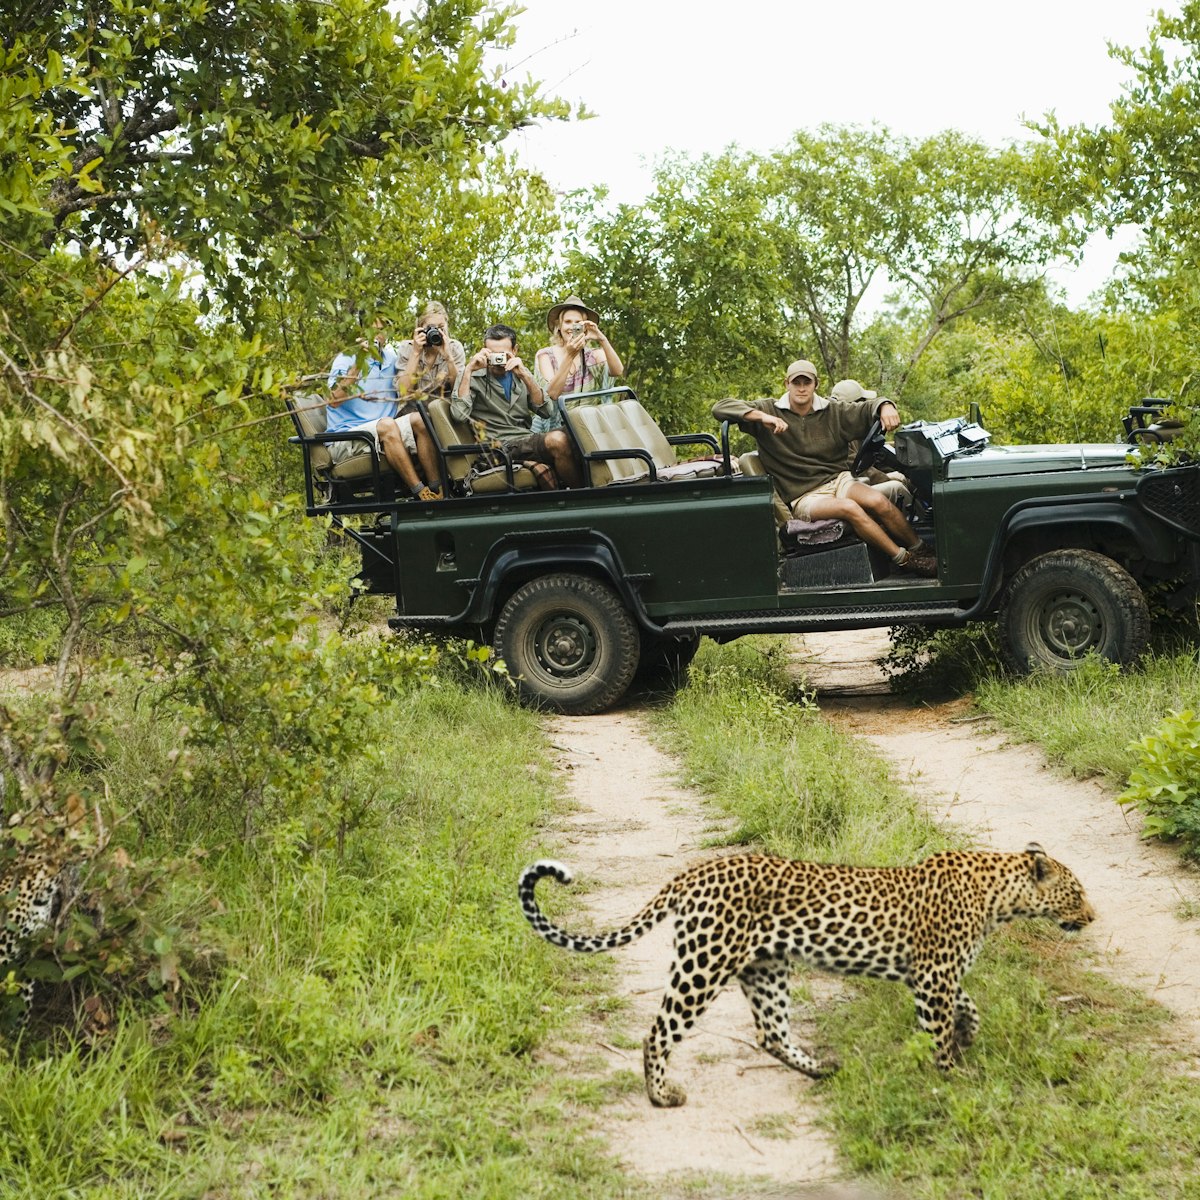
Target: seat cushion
(310, 414)
(649, 436)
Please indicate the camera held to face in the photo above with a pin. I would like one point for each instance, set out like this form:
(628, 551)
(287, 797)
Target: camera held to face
(433, 335)
(573, 328)
(497, 358)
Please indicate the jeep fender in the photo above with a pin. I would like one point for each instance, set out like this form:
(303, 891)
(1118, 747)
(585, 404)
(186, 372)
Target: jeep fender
(1114, 512)
(517, 558)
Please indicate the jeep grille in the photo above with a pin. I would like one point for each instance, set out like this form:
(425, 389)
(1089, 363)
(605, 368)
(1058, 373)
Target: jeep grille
(1173, 497)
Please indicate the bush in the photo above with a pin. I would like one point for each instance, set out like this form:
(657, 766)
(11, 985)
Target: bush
(940, 660)
(1165, 785)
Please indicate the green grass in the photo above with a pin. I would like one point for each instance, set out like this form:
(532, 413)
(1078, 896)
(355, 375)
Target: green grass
(370, 1028)
(1085, 720)
(1072, 1089)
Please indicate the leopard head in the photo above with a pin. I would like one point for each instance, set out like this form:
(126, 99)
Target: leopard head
(1053, 890)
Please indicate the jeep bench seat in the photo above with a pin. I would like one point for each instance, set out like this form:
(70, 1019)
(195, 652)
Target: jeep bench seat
(458, 449)
(622, 443)
(353, 476)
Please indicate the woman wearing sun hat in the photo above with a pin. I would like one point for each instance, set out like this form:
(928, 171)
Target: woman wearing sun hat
(579, 358)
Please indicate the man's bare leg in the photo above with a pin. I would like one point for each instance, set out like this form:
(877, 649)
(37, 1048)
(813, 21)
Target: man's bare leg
(396, 453)
(881, 508)
(558, 445)
(871, 515)
(427, 454)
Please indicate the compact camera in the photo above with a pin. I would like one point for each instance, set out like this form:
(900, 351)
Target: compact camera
(433, 335)
(574, 328)
(498, 359)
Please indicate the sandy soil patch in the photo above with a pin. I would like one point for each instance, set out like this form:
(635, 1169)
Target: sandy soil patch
(746, 1115)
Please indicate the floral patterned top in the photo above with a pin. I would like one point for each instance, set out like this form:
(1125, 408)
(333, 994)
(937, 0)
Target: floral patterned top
(590, 376)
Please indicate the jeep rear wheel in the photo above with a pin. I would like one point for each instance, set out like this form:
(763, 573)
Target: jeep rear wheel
(1066, 604)
(568, 642)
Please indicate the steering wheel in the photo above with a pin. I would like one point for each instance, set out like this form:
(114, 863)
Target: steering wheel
(873, 444)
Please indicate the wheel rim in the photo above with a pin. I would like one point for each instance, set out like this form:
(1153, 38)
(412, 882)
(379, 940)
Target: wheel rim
(564, 646)
(1069, 624)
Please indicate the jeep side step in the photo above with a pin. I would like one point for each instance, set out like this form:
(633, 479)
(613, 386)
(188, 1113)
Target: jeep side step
(725, 626)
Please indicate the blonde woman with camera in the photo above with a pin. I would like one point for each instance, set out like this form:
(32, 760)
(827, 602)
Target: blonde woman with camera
(580, 358)
(430, 363)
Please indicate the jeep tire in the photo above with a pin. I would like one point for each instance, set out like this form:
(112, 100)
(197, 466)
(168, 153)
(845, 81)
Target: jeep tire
(568, 643)
(1066, 604)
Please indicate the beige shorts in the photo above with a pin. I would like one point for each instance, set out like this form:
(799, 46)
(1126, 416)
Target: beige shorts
(837, 487)
(340, 451)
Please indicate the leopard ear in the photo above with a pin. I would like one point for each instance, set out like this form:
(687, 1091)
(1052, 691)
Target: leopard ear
(1040, 866)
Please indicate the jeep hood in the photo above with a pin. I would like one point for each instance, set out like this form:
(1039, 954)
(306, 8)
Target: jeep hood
(1032, 460)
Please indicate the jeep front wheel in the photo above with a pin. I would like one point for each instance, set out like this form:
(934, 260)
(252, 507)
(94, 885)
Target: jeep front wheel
(568, 642)
(1066, 604)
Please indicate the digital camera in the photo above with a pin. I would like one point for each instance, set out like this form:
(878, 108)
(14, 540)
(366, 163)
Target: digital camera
(498, 359)
(433, 335)
(573, 329)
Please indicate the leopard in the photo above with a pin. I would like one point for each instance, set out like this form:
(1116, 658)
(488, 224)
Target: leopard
(31, 899)
(748, 916)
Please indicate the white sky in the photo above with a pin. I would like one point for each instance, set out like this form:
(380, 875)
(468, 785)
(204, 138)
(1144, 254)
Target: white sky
(663, 75)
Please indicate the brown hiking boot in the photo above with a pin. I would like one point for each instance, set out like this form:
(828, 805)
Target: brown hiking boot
(427, 493)
(920, 561)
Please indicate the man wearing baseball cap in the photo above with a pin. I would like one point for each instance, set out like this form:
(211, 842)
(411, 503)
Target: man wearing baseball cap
(803, 440)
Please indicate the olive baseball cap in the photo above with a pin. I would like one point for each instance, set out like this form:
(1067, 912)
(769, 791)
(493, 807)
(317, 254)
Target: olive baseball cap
(851, 389)
(802, 367)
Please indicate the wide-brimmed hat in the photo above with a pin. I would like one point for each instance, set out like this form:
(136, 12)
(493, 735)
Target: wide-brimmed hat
(570, 302)
(851, 389)
(802, 367)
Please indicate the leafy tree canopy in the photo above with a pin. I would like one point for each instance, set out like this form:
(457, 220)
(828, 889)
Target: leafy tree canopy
(236, 130)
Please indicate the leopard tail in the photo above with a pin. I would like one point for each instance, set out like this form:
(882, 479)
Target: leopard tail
(655, 911)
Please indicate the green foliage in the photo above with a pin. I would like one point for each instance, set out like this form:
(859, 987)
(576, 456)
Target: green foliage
(1165, 784)
(183, 120)
(1137, 168)
(367, 1027)
(921, 660)
(149, 151)
(1083, 719)
(751, 735)
(1070, 1090)
(1053, 375)
(736, 262)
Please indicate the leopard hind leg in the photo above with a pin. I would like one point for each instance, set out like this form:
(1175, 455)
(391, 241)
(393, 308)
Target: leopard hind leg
(686, 999)
(765, 985)
(966, 1020)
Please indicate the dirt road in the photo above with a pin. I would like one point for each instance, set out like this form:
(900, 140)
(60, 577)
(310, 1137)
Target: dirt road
(748, 1117)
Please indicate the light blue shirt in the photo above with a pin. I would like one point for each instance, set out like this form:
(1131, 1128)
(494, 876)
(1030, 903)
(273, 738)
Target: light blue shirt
(376, 391)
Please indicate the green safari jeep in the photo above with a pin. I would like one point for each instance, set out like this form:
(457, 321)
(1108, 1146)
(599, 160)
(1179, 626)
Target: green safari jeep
(580, 591)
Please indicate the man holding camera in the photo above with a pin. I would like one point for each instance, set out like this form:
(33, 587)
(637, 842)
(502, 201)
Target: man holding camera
(431, 362)
(803, 440)
(368, 404)
(498, 392)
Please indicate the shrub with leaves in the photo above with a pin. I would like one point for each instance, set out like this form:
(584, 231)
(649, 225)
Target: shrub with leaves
(1165, 785)
(940, 660)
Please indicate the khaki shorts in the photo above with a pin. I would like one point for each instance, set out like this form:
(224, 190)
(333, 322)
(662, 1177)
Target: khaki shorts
(837, 487)
(340, 451)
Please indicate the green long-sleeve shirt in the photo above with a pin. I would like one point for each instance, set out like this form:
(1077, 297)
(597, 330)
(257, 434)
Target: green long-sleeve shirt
(813, 448)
